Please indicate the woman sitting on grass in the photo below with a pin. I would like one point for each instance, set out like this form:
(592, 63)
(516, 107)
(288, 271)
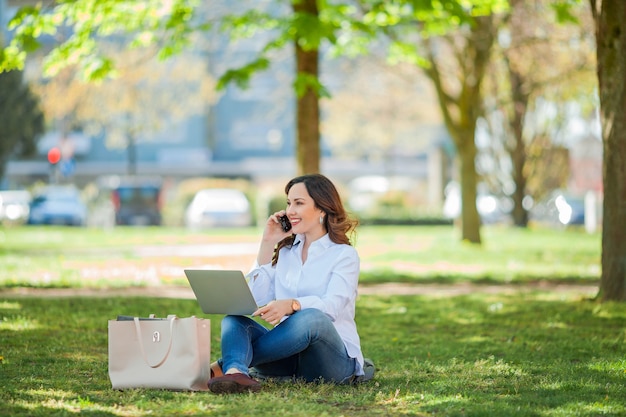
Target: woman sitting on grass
(306, 279)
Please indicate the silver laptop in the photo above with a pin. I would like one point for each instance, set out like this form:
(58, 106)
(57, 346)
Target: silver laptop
(221, 291)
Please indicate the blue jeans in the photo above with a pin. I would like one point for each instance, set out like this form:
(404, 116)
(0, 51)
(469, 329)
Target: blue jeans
(306, 346)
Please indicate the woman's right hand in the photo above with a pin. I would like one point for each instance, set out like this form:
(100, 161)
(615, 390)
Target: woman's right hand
(272, 234)
(273, 229)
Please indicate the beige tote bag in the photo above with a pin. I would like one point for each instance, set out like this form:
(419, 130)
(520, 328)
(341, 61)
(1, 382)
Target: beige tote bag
(172, 353)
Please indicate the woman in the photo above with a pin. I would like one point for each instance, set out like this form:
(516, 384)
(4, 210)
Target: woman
(306, 279)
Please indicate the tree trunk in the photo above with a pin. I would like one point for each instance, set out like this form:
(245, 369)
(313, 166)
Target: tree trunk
(131, 152)
(308, 111)
(470, 219)
(461, 109)
(131, 145)
(609, 17)
(518, 150)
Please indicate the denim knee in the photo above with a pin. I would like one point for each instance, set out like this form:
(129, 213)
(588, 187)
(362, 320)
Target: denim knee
(234, 320)
(312, 319)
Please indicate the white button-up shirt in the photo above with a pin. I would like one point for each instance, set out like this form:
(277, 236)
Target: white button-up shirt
(327, 281)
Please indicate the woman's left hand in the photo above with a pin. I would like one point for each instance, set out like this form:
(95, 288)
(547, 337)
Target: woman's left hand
(274, 311)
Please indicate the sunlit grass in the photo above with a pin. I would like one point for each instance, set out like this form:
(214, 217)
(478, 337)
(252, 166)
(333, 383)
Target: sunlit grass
(18, 323)
(10, 305)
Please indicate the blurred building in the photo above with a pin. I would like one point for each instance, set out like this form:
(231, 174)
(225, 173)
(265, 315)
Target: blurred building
(586, 166)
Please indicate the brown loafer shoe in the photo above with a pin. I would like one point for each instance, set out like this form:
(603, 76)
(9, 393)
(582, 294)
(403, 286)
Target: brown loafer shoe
(233, 384)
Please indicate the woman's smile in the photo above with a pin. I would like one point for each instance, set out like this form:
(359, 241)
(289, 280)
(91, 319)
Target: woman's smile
(294, 221)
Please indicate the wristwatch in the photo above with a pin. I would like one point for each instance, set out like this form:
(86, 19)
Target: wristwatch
(295, 305)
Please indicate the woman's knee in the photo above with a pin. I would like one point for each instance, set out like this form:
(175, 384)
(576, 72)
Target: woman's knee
(311, 314)
(229, 322)
(312, 319)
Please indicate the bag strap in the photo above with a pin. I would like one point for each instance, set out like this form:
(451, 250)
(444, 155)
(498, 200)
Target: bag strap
(141, 347)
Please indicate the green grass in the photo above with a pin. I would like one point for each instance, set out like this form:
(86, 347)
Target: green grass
(66, 257)
(540, 354)
(531, 353)
(436, 254)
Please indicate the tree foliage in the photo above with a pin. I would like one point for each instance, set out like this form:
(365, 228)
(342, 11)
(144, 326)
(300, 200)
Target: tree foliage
(145, 96)
(21, 118)
(79, 23)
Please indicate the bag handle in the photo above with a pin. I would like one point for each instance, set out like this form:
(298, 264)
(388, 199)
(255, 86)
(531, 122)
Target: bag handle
(171, 319)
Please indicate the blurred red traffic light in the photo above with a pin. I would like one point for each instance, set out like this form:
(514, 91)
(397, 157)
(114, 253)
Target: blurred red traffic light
(54, 155)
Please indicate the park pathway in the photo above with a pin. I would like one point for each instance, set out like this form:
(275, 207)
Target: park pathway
(242, 254)
(434, 290)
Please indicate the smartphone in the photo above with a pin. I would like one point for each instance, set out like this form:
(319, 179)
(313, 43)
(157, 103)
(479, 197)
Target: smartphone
(284, 223)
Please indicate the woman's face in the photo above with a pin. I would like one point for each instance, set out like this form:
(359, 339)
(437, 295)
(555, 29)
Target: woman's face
(301, 210)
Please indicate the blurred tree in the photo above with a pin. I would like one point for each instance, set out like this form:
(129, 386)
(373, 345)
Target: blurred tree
(374, 113)
(451, 41)
(609, 17)
(546, 168)
(21, 119)
(458, 78)
(145, 96)
(546, 65)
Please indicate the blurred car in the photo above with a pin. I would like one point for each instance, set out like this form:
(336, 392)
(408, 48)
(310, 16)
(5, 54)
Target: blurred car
(218, 207)
(365, 191)
(560, 208)
(60, 205)
(14, 206)
(137, 201)
(491, 209)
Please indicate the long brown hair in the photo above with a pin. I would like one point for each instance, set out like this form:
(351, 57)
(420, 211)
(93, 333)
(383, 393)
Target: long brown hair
(340, 227)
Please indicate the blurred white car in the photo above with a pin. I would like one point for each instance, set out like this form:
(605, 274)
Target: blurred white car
(560, 208)
(218, 207)
(14, 206)
(366, 190)
(58, 205)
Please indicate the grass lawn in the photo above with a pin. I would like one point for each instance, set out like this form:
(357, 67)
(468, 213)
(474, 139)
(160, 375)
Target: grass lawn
(530, 353)
(539, 354)
(121, 257)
